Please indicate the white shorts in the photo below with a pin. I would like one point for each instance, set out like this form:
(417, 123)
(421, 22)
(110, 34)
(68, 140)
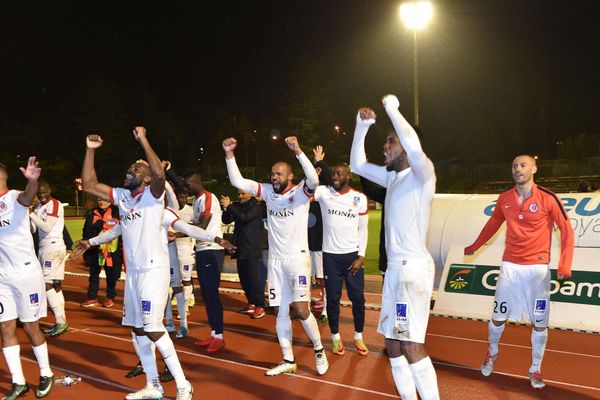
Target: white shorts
(288, 280)
(52, 259)
(145, 299)
(523, 289)
(316, 264)
(175, 274)
(22, 293)
(405, 301)
(186, 256)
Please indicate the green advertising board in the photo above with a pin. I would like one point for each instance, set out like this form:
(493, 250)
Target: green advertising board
(582, 288)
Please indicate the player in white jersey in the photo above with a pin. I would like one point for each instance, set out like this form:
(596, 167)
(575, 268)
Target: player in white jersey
(409, 177)
(345, 233)
(22, 293)
(209, 259)
(48, 217)
(185, 248)
(141, 207)
(289, 262)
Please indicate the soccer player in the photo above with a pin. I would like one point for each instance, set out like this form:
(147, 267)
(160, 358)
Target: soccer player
(22, 292)
(289, 263)
(141, 207)
(409, 177)
(209, 259)
(345, 234)
(48, 217)
(523, 287)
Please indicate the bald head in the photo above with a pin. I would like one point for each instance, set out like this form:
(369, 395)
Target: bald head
(281, 176)
(523, 169)
(526, 157)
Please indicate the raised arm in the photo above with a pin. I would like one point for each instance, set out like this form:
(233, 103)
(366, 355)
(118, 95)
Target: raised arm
(32, 173)
(417, 159)
(89, 180)
(310, 174)
(325, 169)
(171, 197)
(157, 186)
(235, 176)
(358, 158)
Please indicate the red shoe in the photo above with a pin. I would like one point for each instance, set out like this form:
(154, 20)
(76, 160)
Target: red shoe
(259, 312)
(90, 303)
(204, 342)
(249, 309)
(216, 345)
(108, 303)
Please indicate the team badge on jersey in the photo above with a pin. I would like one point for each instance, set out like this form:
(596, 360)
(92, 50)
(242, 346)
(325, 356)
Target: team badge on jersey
(291, 200)
(146, 307)
(534, 207)
(401, 313)
(34, 300)
(355, 201)
(48, 264)
(302, 281)
(540, 307)
(3, 206)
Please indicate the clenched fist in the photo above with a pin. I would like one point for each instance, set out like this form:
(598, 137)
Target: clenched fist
(293, 145)
(93, 141)
(139, 133)
(390, 101)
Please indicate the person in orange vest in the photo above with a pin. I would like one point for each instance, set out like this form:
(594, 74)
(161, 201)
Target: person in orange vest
(108, 255)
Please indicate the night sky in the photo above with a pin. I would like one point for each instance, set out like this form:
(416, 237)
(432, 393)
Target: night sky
(496, 76)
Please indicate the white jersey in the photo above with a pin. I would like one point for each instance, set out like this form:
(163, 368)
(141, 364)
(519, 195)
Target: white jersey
(185, 245)
(16, 242)
(340, 212)
(407, 207)
(141, 215)
(52, 208)
(206, 203)
(287, 218)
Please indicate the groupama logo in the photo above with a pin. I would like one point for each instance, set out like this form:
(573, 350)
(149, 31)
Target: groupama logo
(460, 279)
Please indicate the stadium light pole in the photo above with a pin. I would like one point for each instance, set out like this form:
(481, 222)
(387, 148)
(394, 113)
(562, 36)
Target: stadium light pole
(415, 16)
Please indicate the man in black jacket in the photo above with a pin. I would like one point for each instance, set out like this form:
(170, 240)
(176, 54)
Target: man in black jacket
(108, 256)
(247, 215)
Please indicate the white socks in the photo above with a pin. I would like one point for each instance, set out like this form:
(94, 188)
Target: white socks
(494, 334)
(12, 355)
(56, 300)
(357, 335)
(41, 355)
(283, 325)
(311, 327)
(188, 292)
(167, 350)
(425, 379)
(147, 357)
(403, 378)
(538, 346)
(182, 308)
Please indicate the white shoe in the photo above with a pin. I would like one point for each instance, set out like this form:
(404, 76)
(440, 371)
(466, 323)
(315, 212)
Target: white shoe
(282, 368)
(487, 366)
(321, 362)
(536, 380)
(170, 327)
(149, 392)
(185, 393)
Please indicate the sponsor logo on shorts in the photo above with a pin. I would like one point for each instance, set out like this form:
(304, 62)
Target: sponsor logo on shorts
(146, 307)
(302, 281)
(34, 300)
(582, 288)
(172, 271)
(48, 264)
(540, 307)
(186, 267)
(401, 313)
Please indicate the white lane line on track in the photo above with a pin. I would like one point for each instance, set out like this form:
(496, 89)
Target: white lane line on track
(84, 376)
(352, 387)
(297, 376)
(518, 376)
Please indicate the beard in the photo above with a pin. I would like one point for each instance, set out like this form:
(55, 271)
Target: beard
(131, 184)
(281, 187)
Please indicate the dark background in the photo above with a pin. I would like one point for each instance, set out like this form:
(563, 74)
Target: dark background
(497, 78)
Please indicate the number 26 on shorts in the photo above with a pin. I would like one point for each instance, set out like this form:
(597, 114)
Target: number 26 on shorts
(500, 308)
